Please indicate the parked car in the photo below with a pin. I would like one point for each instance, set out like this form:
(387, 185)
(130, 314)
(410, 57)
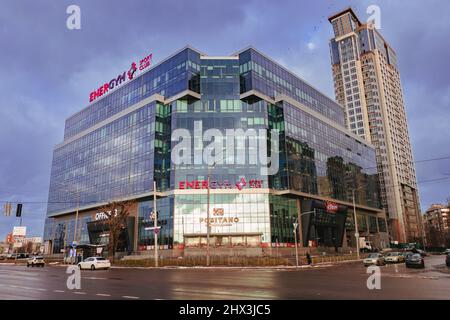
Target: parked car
(94, 263)
(374, 259)
(422, 253)
(394, 257)
(447, 251)
(415, 260)
(3, 257)
(447, 260)
(21, 255)
(406, 253)
(37, 261)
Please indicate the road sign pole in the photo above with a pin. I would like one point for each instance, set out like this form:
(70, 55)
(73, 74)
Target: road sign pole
(155, 219)
(296, 247)
(356, 225)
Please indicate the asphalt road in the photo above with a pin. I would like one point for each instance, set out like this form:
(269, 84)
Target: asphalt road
(344, 281)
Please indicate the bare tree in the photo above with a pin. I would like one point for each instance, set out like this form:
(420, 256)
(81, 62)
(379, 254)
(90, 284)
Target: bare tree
(29, 247)
(116, 214)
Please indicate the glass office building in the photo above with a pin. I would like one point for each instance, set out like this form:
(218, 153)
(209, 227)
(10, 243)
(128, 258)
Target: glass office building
(119, 144)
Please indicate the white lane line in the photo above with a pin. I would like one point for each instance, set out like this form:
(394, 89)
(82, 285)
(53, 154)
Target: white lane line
(60, 291)
(103, 295)
(130, 297)
(79, 292)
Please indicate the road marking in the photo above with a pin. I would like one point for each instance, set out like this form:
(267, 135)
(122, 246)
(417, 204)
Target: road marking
(60, 291)
(226, 293)
(79, 292)
(103, 295)
(94, 278)
(130, 297)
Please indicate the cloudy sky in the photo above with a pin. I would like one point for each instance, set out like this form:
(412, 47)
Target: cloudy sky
(47, 71)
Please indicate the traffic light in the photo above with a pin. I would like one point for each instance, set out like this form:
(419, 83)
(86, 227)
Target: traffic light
(19, 210)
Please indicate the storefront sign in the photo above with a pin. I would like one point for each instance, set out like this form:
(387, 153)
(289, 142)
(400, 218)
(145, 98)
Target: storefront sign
(332, 207)
(104, 215)
(215, 184)
(19, 231)
(219, 220)
(121, 78)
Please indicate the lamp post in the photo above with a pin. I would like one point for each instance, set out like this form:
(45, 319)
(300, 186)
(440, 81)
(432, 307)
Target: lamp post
(295, 224)
(208, 226)
(76, 218)
(356, 224)
(155, 219)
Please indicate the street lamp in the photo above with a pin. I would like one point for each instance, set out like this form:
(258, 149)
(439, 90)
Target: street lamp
(356, 222)
(295, 224)
(208, 226)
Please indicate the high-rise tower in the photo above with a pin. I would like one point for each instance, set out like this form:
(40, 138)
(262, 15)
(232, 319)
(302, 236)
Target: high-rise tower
(367, 84)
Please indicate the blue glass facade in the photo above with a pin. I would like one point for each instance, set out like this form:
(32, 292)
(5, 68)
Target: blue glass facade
(115, 148)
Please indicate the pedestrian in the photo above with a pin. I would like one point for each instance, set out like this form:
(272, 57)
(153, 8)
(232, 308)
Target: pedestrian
(308, 258)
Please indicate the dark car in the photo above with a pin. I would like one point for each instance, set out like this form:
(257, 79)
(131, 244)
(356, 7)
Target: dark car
(415, 261)
(447, 260)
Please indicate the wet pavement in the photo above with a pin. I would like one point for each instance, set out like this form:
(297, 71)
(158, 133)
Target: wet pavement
(342, 281)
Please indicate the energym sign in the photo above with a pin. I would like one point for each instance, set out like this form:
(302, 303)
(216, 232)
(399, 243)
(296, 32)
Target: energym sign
(121, 78)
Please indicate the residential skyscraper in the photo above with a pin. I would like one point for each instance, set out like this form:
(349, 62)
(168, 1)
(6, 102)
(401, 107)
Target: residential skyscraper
(367, 84)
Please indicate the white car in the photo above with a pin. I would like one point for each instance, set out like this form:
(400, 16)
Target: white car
(94, 263)
(394, 257)
(374, 259)
(36, 261)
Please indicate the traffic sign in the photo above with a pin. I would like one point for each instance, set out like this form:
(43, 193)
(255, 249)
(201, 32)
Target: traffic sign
(153, 228)
(156, 230)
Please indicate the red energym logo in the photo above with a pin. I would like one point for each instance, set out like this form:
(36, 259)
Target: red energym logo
(105, 88)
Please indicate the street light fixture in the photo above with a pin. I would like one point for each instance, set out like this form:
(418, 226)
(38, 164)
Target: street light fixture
(208, 225)
(295, 224)
(356, 222)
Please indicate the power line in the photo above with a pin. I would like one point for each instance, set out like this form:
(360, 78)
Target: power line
(418, 161)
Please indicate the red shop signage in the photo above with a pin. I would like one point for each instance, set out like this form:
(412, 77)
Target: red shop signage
(203, 184)
(331, 206)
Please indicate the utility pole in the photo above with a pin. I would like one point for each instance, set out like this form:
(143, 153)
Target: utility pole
(155, 216)
(295, 224)
(208, 227)
(76, 218)
(356, 225)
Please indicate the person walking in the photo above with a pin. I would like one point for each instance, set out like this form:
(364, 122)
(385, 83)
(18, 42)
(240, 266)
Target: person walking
(308, 258)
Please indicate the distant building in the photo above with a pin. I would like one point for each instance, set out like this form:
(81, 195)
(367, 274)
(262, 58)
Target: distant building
(437, 226)
(367, 85)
